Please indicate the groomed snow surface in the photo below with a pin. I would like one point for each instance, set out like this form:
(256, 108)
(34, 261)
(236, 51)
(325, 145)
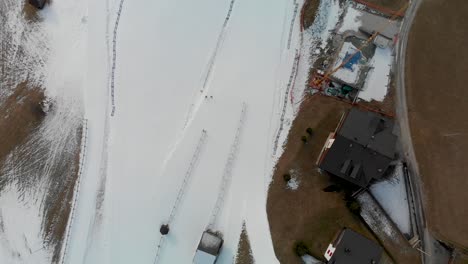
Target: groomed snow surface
(181, 68)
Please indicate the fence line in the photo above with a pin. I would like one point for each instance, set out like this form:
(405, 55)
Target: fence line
(291, 81)
(227, 174)
(180, 194)
(76, 189)
(114, 56)
(291, 27)
(188, 173)
(158, 249)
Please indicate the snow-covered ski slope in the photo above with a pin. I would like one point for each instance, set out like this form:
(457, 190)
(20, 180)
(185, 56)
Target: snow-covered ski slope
(185, 72)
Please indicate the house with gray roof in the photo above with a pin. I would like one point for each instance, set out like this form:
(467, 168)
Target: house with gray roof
(362, 148)
(350, 247)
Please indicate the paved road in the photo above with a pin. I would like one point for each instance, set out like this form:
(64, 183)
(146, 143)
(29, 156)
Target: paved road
(435, 253)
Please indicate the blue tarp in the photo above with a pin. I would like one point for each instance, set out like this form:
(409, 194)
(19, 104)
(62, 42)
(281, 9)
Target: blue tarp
(355, 57)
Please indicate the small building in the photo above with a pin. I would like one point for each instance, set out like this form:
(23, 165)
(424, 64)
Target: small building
(350, 247)
(208, 249)
(361, 149)
(382, 42)
(38, 3)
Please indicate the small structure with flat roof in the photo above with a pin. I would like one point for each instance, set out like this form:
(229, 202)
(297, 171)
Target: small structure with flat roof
(352, 248)
(362, 148)
(208, 248)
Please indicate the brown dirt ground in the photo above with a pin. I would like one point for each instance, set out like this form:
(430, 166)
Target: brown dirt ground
(461, 259)
(394, 5)
(310, 8)
(244, 252)
(308, 213)
(20, 115)
(437, 104)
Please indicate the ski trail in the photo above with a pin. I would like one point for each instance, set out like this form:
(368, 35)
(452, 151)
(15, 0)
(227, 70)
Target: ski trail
(188, 173)
(292, 77)
(194, 107)
(227, 173)
(183, 187)
(209, 68)
(114, 56)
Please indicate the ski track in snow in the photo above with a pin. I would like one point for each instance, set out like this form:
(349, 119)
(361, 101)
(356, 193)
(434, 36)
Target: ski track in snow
(203, 92)
(114, 56)
(209, 69)
(227, 173)
(188, 173)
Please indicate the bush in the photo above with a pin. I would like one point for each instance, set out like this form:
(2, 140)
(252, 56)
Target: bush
(304, 139)
(332, 188)
(286, 177)
(354, 207)
(301, 249)
(309, 131)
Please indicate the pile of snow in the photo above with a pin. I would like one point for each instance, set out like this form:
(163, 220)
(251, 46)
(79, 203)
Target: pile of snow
(294, 182)
(391, 195)
(376, 85)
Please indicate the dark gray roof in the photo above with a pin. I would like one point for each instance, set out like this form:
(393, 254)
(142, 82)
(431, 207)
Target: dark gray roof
(353, 248)
(363, 148)
(210, 243)
(353, 162)
(371, 130)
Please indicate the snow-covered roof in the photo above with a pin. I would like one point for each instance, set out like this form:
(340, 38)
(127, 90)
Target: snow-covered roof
(210, 243)
(203, 258)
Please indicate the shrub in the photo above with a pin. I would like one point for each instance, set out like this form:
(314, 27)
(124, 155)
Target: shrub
(304, 139)
(309, 131)
(332, 188)
(301, 249)
(353, 206)
(286, 177)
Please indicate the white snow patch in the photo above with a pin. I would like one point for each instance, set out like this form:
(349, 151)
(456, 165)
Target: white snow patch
(20, 229)
(328, 14)
(375, 87)
(351, 20)
(308, 259)
(391, 195)
(293, 184)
